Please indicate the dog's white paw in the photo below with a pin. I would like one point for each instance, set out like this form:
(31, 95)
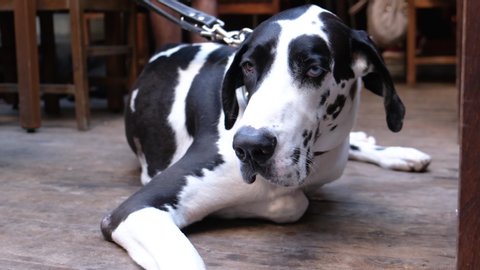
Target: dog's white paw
(155, 242)
(363, 148)
(403, 159)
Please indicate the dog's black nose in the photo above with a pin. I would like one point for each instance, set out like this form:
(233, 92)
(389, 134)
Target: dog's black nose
(257, 145)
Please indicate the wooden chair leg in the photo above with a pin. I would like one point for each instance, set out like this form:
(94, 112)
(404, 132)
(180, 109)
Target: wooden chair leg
(27, 64)
(79, 61)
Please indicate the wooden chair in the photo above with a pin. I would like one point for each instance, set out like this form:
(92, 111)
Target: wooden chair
(23, 32)
(28, 85)
(413, 60)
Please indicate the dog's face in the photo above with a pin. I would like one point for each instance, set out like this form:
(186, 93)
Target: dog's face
(300, 70)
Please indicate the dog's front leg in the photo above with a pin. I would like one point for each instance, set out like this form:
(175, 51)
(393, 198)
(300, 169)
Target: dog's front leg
(154, 241)
(147, 226)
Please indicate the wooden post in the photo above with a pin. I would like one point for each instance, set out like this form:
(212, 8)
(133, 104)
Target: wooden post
(27, 64)
(79, 61)
(468, 256)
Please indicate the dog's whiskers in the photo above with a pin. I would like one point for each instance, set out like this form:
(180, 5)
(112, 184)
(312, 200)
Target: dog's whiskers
(308, 157)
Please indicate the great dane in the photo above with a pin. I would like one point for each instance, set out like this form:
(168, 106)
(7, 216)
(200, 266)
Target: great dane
(246, 132)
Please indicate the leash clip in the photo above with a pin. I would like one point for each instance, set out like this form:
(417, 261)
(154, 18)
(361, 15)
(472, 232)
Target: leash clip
(231, 38)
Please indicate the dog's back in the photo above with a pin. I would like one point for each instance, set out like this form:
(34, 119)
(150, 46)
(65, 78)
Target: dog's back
(160, 120)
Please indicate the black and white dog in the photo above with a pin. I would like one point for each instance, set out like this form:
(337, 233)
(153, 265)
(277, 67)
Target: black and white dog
(247, 132)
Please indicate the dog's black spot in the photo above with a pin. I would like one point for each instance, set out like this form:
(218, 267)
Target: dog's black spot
(308, 161)
(333, 128)
(296, 155)
(317, 133)
(337, 113)
(324, 97)
(342, 85)
(307, 136)
(336, 108)
(309, 59)
(261, 57)
(354, 147)
(201, 105)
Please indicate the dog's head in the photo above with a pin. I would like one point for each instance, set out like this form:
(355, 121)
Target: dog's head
(299, 71)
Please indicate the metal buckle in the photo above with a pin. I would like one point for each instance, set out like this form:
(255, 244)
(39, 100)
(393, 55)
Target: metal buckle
(231, 38)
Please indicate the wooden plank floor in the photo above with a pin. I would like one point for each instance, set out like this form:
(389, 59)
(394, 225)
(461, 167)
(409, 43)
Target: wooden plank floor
(56, 184)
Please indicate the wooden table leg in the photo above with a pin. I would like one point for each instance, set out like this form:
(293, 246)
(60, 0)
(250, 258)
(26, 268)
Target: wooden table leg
(27, 64)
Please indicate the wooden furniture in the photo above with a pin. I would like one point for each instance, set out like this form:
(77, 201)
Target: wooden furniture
(413, 60)
(248, 7)
(469, 194)
(28, 84)
(27, 62)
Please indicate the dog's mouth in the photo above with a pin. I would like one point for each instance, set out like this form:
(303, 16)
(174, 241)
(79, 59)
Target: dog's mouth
(249, 171)
(249, 177)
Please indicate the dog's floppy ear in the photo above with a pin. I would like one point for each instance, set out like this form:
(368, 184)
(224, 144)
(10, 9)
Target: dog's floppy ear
(233, 79)
(378, 79)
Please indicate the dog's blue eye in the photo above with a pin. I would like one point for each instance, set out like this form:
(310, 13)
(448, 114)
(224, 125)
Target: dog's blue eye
(314, 71)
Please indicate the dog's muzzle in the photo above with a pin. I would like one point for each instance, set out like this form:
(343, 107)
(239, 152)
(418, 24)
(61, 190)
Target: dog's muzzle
(254, 148)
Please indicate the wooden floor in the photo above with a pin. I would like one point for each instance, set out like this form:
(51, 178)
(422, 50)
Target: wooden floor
(56, 184)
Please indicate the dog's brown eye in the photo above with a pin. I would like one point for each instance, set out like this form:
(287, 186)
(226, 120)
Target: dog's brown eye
(247, 67)
(314, 71)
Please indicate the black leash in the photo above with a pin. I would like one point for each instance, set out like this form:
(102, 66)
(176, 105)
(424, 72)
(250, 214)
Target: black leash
(199, 22)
